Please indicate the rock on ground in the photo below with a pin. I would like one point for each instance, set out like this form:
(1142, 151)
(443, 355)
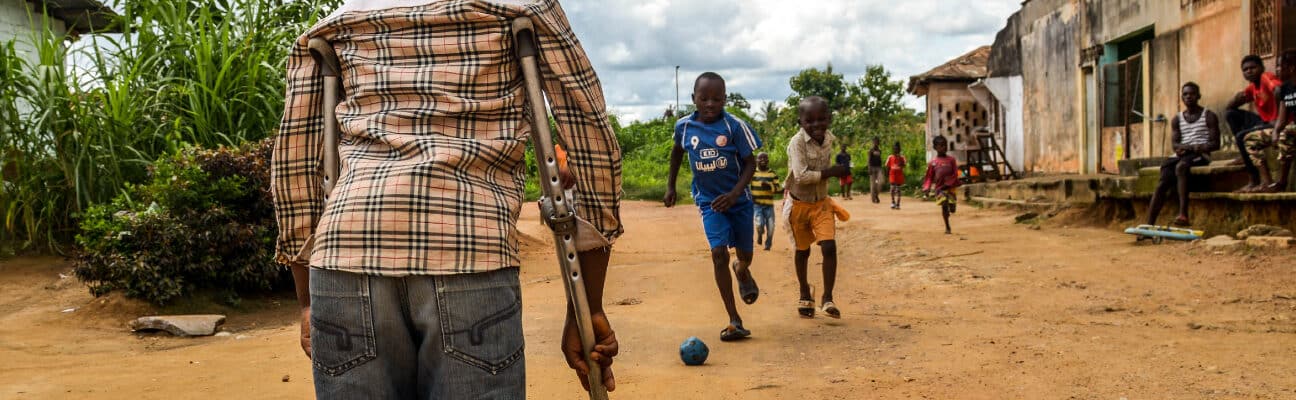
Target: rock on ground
(1222, 242)
(1271, 242)
(180, 325)
(1263, 230)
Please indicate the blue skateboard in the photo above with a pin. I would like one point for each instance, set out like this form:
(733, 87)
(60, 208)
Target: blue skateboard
(1158, 234)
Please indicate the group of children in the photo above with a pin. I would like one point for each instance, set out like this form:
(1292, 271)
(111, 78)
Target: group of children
(1195, 134)
(734, 189)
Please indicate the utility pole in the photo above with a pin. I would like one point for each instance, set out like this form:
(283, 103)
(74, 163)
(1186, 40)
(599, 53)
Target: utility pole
(677, 88)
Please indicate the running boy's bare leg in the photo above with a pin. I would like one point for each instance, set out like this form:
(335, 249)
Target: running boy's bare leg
(802, 259)
(829, 249)
(724, 281)
(945, 213)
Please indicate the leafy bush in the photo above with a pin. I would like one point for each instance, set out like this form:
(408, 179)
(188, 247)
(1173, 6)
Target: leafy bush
(204, 220)
(646, 149)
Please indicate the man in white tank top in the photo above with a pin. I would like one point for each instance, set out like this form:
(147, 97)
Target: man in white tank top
(1194, 135)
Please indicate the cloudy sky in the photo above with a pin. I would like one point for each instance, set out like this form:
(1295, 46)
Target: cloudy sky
(758, 44)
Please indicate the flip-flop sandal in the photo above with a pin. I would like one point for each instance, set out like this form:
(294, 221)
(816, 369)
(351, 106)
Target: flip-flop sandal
(806, 307)
(746, 288)
(734, 332)
(831, 310)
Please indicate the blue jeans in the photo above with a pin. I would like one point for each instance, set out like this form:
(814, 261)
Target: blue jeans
(417, 337)
(1242, 122)
(765, 224)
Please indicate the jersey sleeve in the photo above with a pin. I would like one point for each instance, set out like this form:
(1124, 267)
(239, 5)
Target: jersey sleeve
(678, 136)
(748, 141)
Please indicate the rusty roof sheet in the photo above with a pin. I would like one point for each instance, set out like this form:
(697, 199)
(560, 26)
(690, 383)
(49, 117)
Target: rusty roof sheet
(968, 67)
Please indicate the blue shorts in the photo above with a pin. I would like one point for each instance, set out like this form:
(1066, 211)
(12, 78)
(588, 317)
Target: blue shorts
(733, 228)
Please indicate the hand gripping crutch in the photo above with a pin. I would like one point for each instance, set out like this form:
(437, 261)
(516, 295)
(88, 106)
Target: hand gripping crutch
(556, 203)
(331, 69)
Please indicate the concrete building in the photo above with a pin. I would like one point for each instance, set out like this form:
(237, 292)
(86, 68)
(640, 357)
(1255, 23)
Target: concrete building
(952, 109)
(1091, 82)
(20, 19)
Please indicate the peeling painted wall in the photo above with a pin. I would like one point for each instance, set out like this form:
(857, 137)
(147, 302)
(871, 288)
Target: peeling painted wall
(1050, 56)
(952, 111)
(1201, 42)
(16, 24)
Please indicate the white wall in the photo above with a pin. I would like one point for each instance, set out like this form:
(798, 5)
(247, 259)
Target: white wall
(16, 19)
(1009, 93)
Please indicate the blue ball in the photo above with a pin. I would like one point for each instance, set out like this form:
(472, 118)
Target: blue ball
(693, 351)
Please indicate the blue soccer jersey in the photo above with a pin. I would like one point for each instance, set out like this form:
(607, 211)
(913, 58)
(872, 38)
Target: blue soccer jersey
(715, 153)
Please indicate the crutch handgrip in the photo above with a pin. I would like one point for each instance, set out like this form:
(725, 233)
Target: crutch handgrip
(524, 31)
(322, 51)
(331, 68)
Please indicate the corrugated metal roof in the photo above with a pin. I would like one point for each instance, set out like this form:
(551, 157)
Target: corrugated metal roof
(81, 16)
(968, 67)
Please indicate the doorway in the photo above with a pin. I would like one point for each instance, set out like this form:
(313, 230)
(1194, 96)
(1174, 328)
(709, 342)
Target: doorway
(1092, 135)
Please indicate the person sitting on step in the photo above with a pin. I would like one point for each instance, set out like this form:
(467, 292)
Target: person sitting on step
(1194, 134)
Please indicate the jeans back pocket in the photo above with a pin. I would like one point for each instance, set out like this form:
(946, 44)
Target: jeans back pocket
(342, 328)
(481, 318)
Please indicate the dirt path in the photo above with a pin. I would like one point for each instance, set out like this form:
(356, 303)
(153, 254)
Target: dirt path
(995, 311)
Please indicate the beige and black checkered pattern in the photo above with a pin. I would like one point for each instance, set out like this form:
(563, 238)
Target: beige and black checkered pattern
(434, 132)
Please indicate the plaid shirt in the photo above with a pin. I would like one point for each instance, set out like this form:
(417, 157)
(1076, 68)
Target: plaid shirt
(434, 133)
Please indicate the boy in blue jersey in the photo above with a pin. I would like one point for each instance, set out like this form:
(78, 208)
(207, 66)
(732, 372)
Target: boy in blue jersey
(720, 149)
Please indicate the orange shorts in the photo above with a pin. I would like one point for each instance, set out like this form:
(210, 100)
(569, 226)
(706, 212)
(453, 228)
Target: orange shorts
(812, 222)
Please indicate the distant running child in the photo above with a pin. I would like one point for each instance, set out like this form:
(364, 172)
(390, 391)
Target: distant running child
(877, 174)
(942, 178)
(721, 154)
(895, 165)
(811, 214)
(844, 158)
(764, 184)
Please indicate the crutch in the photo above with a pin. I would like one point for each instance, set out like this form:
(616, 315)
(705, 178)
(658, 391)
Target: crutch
(556, 203)
(331, 69)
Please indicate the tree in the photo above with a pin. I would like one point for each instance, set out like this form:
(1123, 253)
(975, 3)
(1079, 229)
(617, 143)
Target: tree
(736, 100)
(875, 102)
(813, 82)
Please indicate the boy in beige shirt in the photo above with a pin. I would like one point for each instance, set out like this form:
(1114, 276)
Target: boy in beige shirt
(809, 211)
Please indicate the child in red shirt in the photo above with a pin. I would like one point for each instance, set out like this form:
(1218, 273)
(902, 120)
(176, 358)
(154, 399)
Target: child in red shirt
(942, 177)
(895, 165)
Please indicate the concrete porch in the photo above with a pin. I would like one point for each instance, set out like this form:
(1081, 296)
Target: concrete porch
(1115, 198)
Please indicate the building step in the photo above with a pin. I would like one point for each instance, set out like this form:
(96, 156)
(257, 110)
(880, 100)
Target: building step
(1131, 167)
(1061, 189)
(1216, 177)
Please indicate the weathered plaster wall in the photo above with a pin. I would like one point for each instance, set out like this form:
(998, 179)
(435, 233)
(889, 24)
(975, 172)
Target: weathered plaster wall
(16, 18)
(1050, 55)
(1005, 55)
(1196, 42)
(952, 111)
(1211, 46)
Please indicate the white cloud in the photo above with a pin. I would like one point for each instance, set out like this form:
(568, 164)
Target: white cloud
(758, 44)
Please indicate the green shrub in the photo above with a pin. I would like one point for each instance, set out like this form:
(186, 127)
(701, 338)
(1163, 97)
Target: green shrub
(78, 122)
(204, 220)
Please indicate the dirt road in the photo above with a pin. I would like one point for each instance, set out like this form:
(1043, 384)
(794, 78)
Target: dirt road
(995, 311)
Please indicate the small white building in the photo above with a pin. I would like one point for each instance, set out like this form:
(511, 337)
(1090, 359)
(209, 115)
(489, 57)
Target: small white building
(20, 19)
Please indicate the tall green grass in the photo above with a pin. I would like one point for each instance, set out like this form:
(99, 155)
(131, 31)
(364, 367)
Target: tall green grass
(80, 124)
